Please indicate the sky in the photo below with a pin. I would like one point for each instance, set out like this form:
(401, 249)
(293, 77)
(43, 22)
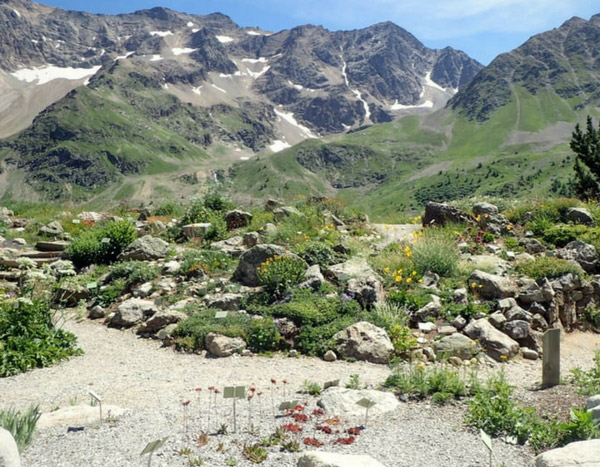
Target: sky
(481, 28)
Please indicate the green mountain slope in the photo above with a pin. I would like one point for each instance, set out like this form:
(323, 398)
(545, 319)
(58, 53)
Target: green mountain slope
(125, 123)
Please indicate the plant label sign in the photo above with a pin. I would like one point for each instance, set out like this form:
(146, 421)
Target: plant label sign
(234, 392)
(95, 396)
(153, 446)
(92, 285)
(330, 384)
(221, 314)
(486, 439)
(288, 405)
(366, 403)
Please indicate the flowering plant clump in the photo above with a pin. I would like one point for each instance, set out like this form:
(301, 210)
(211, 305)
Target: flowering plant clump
(279, 273)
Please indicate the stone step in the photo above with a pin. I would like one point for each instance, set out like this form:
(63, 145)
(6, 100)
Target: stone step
(51, 246)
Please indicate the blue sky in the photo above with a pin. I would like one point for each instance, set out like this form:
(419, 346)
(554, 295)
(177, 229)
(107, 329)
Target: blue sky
(482, 28)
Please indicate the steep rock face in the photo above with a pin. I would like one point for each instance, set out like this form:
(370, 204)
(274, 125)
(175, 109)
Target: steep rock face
(565, 59)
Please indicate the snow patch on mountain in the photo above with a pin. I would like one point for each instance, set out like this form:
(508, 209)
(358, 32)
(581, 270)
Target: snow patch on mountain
(289, 117)
(279, 145)
(46, 74)
(161, 33)
(224, 39)
(186, 50)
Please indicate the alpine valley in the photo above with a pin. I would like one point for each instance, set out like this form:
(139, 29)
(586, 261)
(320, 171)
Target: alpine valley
(161, 104)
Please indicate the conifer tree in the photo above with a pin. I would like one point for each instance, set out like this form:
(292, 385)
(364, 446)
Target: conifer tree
(586, 145)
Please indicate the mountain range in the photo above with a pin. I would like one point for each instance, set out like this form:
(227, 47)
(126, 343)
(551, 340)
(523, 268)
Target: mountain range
(159, 103)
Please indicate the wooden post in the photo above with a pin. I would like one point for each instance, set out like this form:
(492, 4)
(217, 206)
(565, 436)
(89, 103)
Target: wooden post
(551, 358)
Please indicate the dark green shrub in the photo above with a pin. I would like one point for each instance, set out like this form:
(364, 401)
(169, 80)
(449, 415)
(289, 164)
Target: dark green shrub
(420, 381)
(191, 332)
(466, 310)
(280, 273)
(560, 235)
(547, 266)
(101, 244)
(216, 202)
(263, 336)
(317, 253)
(410, 298)
(316, 340)
(111, 293)
(207, 261)
(168, 208)
(134, 272)
(197, 212)
(28, 338)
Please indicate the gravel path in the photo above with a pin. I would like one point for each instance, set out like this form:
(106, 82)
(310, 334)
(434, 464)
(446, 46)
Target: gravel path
(152, 382)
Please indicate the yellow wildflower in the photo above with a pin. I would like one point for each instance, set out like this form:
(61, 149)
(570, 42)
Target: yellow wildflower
(386, 270)
(414, 273)
(408, 280)
(398, 278)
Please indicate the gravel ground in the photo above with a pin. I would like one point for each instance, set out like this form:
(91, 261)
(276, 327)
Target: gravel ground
(153, 382)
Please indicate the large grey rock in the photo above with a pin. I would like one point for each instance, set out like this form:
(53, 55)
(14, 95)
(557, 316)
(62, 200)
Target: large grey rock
(456, 345)
(492, 286)
(579, 453)
(160, 320)
(132, 312)
(224, 301)
(9, 452)
(364, 341)
(532, 291)
(532, 245)
(231, 246)
(354, 268)
(581, 253)
(579, 216)
(313, 278)
(223, 346)
(432, 309)
(145, 248)
(517, 329)
(367, 291)
(440, 214)
(251, 260)
(497, 344)
(286, 211)
(338, 401)
(490, 219)
(53, 229)
(77, 415)
(334, 459)
(236, 219)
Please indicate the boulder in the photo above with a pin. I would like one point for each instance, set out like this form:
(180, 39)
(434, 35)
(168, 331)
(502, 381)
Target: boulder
(9, 452)
(286, 211)
(338, 401)
(145, 248)
(367, 291)
(251, 260)
(272, 204)
(456, 345)
(573, 454)
(581, 253)
(532, 291)
(354, 268)
(251, 239)
(132, 312)
(529, 354)
(497, 319)
(334, 459)
(330, 356)
(224, 301)
(160, 320)
(364, 341)
(432, 309)
(231, 246)
(517, 313)
(53, 229)
(313, 279)
(171, 267)
(579, 216)
(77, 415)
(143, 290)
(497, 344)
(440, 214)
(90, 216)
(490, 219)
(223, 346)
(538, 322)
(517, 329)
(532, 245)
(236, 219)
(492, 286)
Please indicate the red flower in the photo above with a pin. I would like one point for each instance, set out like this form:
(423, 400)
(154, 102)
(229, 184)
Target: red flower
(318, 412)
(348, 440)
(292, 428)
(186, 403)
(198, 389)
(313, 442)
(353, 431)
(273, 381)
(252, 389)
(300, 417)
(216, 391)
(284, 381)
(325, 429)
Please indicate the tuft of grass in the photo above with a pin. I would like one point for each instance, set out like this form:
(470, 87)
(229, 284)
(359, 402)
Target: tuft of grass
(547, 266)
(435, 251)
(20, 424)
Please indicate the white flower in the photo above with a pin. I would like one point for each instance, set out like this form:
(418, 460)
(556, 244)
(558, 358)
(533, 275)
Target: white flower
(26, 263)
